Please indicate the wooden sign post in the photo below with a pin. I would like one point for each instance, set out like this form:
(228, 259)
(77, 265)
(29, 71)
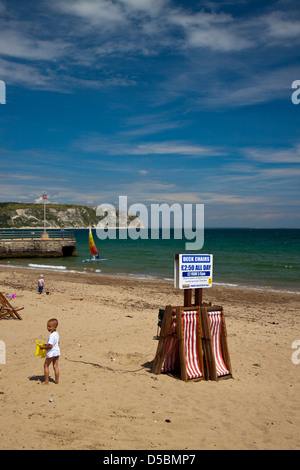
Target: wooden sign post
(187, 297)
(187, 302)
(198, 297)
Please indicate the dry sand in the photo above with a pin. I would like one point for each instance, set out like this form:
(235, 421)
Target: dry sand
(108, 397)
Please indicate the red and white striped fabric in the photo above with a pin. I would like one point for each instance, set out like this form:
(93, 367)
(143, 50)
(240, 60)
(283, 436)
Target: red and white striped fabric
(172, 350)
(189, 323)
(215, 319)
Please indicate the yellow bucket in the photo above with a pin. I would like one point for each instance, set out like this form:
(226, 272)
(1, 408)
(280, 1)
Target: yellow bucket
(38, 351)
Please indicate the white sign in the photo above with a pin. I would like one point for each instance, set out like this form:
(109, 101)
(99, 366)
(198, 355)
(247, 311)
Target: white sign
(193, 271)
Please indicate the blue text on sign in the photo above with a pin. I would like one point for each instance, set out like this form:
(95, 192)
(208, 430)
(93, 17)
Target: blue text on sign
(196, 259)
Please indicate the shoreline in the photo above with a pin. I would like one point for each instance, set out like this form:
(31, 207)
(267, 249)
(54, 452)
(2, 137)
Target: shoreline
(216, 294)
(145, 277)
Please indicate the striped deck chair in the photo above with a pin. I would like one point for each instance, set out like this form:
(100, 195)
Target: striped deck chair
(190, 337)
(171, 359)
(6, 309)
(215, 343)
(167, 355)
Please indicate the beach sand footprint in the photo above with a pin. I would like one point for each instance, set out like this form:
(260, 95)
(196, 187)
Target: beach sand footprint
(133, 360)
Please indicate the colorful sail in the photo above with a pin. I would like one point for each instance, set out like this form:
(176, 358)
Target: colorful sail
(92, 246)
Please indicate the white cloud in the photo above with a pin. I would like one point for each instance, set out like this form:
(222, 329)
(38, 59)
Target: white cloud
(17, 44)
(251, 88)
(217, 39)
(282, 25)
(40, 200)
(282, 174)
(176, 197)
(151, 7)
(72, 34)
(29, 76)
(218, 32)
(95, 143)
(272, 155)
(172, 148)
(148, 124)
(100, 12)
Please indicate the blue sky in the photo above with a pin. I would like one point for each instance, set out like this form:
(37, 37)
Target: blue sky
(164, 101)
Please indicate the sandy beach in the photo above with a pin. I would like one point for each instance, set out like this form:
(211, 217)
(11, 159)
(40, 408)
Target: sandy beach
(108, 398)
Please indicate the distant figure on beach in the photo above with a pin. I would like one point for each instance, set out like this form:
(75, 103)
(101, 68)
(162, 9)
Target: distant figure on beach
(53, 351)
(41, 284)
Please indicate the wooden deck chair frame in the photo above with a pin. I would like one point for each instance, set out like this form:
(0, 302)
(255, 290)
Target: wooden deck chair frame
(161, 313)
(165, 334)
(7, 309)
(208, 344)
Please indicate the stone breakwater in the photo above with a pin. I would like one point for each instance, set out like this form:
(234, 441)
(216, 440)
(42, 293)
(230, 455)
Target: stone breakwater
(38, 248)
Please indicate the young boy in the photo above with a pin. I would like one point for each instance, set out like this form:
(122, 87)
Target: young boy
(53, 351)
(41, 284)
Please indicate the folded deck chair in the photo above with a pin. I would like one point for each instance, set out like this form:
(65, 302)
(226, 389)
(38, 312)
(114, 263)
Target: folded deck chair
(180, 344)
(215, 343)
(6, 309)
(167, 355)
(171, 359)
(215, 319)
(190, 337)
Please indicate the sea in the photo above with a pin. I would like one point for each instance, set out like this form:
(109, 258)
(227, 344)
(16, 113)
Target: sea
(265, 259)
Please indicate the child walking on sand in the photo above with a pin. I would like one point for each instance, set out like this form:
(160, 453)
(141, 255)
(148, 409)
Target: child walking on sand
(41, 284)
(53, 351)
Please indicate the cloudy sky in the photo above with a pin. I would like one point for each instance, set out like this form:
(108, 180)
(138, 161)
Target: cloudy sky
(162, 101)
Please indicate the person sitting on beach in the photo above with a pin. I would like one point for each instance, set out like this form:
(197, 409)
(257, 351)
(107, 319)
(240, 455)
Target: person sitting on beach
(41, 284)
(53, 351)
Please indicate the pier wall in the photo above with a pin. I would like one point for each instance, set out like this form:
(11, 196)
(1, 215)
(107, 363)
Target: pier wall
(38, 248)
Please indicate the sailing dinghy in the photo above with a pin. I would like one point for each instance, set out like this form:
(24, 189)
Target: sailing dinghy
(93, 249)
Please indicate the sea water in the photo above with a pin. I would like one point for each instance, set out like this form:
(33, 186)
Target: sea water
(253, 258)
